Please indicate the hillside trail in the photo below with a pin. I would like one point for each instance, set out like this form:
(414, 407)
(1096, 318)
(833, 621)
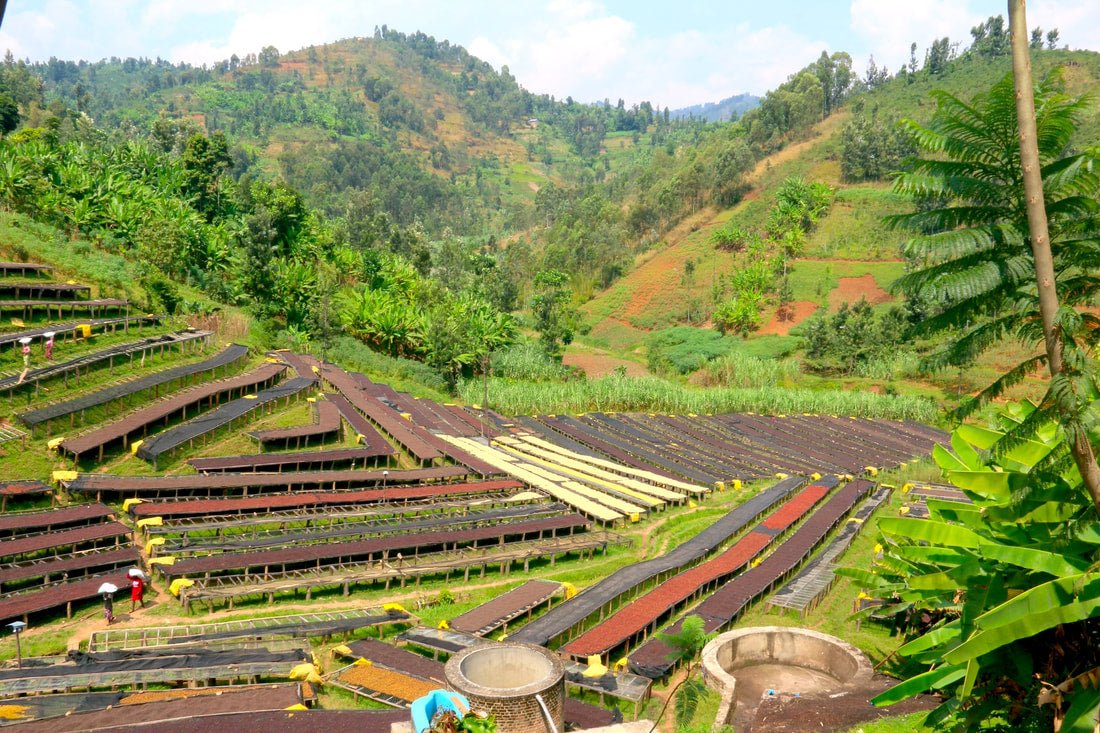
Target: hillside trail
(821, 130)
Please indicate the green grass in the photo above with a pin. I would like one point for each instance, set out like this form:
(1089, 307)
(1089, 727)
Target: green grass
(766, 347)
(911, 723)
(112, 274)
(854, 229)
(813, 280)
(623, 394)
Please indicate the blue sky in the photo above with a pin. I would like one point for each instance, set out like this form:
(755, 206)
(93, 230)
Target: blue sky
(671, 53)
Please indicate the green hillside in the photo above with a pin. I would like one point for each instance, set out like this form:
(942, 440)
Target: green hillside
(849, 254)
(401, 151)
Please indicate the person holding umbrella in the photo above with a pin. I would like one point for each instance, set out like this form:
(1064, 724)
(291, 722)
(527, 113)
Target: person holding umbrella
(107, 590)
(137, 587)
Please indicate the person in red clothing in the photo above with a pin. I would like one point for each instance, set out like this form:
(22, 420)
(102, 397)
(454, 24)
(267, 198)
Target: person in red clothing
(137, 591)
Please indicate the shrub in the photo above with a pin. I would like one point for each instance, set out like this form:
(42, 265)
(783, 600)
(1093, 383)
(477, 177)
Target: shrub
(401, 374)
(682, 350)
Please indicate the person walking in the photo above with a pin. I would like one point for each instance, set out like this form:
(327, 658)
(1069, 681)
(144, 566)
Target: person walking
(49, 346)
(109, 608)
(137, 591)
(26, 342)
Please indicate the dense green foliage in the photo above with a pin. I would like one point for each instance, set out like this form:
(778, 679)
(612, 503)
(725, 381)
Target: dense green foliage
(873, 149)
(166, 199)
(555, 318)
(1010, 582)
(683, 350)
(972, 254)
(791, 108)
(853, 337)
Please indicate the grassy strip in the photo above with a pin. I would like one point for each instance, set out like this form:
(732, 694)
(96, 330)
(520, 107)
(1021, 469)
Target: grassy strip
(404, 375)
(114, 274)
(615, 393)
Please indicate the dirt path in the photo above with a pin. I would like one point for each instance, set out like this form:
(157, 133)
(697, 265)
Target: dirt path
(598, 363)
(667, 724)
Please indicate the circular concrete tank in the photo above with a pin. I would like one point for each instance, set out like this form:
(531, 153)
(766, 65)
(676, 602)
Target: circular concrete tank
(508, 681)
(744, 664)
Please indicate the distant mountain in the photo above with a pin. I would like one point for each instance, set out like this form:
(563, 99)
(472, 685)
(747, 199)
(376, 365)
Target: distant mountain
(729, 108)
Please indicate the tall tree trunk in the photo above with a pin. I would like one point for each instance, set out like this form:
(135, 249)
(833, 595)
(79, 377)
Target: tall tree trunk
(1037, 224)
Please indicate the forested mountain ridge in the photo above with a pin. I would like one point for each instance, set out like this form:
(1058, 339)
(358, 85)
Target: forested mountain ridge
(404, 192)
(436, 134)
(723, 110)
(430, 137)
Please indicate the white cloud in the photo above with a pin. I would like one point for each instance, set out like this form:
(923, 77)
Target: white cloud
(488, 51)
(577, 48)
(889, 28)
(1078, 23)
(573, 10)
(570, 58)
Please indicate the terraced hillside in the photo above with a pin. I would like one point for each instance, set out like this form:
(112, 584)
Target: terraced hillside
(235, 479)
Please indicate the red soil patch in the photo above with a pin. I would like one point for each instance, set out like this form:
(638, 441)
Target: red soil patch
(598, 365)
(851, 289)
(798, 311)
(658, 272)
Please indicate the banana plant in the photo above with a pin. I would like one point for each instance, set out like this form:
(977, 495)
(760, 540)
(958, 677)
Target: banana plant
(1014, 578)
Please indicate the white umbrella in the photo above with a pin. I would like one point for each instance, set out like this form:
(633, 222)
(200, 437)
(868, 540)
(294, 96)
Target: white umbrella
(135, 573)
(107, 588)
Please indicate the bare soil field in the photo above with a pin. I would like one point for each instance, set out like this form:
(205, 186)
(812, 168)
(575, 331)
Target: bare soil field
(799, 311)
(851, 289)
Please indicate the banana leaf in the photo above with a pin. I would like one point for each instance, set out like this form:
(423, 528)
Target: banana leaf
(930, 554)
(983, 438)
(865, 578)
(1037, 560)
(1081, 716)
(936, 637)
(931, 680)
(966, 453)
(992, 485)
(927, 530)
(947, 460)
(1028, 614)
